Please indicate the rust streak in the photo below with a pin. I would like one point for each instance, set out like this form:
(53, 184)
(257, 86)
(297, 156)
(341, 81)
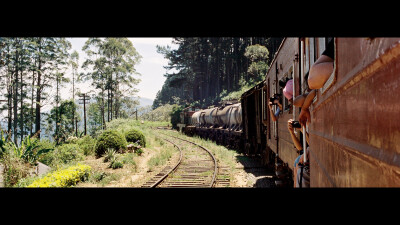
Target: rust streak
(367, 152)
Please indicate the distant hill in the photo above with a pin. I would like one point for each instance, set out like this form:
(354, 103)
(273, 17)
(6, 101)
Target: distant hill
(145, 102)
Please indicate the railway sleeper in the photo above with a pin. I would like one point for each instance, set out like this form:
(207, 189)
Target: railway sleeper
(187, 186)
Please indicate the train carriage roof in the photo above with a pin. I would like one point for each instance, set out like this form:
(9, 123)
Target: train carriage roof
(251, 90)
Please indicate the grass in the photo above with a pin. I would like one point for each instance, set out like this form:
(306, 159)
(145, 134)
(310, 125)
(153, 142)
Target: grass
(221, 153)
(161, 157)
(207, 173)
(108, 178)
(162, 151)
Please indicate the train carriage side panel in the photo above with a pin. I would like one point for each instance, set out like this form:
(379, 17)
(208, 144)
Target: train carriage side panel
(260, 127)
(355, 130)
(272, 135)
(248, 107)
(285, 65)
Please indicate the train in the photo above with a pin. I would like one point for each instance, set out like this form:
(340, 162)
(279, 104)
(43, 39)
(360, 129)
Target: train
(354, 133)
(222, 124)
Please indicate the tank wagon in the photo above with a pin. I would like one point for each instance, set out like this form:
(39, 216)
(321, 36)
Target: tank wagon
(354, 130)
(222, 124)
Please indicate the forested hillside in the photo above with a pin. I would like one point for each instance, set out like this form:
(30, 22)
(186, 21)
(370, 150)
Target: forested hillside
(211, 69)
(33, 70)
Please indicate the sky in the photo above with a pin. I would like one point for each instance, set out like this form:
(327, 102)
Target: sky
(150, 66)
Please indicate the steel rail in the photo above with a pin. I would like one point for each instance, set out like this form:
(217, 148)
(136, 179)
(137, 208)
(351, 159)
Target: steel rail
(173, 169)
(208, 151)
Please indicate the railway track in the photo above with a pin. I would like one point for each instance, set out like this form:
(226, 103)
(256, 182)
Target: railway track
(196, 167)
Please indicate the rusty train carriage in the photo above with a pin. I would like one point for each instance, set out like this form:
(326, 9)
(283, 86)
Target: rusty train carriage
(285, 64)
(254, 129)
(355, 131)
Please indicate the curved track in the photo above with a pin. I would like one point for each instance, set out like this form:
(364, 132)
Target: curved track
(196, 167)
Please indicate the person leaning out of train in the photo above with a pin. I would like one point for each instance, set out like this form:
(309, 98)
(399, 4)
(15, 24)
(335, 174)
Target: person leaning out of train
(304, 101)
(277, 101)
(288, 93)
(319, 73)
(298, 143)
(321, 70)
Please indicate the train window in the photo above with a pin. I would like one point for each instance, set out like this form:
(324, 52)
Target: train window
(285, 103)
(320, 46)
(307, 55)
(312, 51)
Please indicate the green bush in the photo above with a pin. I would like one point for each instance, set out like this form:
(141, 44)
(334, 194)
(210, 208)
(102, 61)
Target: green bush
(14, 169)
(134, 135)
(110, 139)
(97, 176)
(63, 154)
(46, 158)
(69, 152)
(109, 154)
(115, 163)
(87, 144)
(127, 158)
(71, 140)
(176, 116)
(139, 151)
(28, 150)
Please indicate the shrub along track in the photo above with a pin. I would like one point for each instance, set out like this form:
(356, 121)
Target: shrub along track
(196, 167)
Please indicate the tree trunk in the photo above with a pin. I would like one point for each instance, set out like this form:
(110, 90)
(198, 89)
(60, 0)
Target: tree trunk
(16, 97)
(21, 122)
(116, 97)
(57, 110)
(111, 103)
(108, 105)
(10, 92)
(74, 122)
(103, 110)
(32, 94)
(38, 95)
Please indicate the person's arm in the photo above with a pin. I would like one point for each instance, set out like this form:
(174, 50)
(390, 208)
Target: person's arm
(305, 116)
(308, 100)
(270, 110)
(296, 141)
(280, 106)
(299, 100)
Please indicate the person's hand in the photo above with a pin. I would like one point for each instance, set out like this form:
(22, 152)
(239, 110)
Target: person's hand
(301, 161)
(290, 127)
(270, 105)
(304, 117)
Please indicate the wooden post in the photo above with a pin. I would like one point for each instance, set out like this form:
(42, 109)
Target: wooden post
(0, 123)
(85, 98)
